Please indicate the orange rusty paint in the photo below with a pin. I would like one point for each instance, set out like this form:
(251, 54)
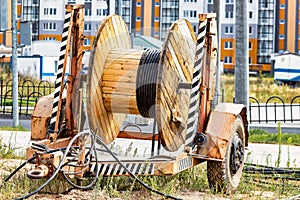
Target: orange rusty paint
(219, 128)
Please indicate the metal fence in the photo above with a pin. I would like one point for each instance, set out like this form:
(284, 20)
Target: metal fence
(275, 109)
(29, 93)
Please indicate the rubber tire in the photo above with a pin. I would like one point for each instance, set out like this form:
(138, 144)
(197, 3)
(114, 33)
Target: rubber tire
(218, 173)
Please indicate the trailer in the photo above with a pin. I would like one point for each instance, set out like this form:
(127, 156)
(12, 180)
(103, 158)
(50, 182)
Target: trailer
(75, 130)
(287, 69)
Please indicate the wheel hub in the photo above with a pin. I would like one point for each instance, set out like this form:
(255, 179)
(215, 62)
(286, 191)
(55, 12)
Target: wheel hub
(236, 155)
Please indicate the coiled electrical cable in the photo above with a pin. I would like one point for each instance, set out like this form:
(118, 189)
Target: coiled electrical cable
(99, 141)
(146, 82)
(59, 167)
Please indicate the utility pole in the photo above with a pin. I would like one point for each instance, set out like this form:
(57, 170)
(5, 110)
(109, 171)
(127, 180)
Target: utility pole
(14, 63)
(241, 84)
(218, 73)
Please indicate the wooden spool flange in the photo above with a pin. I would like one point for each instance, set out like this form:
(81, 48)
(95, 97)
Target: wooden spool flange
(175, 74)
(112, 34)
(116, 73)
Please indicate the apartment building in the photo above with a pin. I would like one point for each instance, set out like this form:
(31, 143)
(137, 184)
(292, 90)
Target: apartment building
(287, 34)
(261, 33)
(5, 22)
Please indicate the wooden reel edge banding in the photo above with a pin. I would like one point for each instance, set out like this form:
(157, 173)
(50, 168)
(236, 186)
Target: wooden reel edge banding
(112, 33)
(176, 66)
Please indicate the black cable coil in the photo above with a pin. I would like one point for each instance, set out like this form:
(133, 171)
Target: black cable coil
(146, 82)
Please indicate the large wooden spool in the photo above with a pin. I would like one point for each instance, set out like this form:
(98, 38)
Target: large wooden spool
(122, 80)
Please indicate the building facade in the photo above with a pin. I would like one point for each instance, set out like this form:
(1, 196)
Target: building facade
(287, 37)
(273, 24)
(5, 22)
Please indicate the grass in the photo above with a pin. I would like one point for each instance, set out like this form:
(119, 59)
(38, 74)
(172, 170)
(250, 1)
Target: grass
(10, 128)
(261, 88)
(261, 136)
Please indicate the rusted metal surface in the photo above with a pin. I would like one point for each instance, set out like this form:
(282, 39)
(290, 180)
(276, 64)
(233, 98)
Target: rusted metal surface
(40, 118)
(219, 128)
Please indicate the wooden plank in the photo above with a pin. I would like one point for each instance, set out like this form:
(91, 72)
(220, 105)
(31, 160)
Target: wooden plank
(119, 78)
(136, 135)
(107, 123)
(177, 61)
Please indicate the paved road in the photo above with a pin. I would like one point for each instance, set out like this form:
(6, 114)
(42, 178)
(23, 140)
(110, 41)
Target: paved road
(265, 154)
(9, 122)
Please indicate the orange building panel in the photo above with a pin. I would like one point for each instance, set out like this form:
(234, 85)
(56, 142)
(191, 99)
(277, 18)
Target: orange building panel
(138, 11)
(282, 1)
(138, 26)
(156, 11)
(45, 36)
(253, 50)
(281, 44)
(281, 29)
(282, 14)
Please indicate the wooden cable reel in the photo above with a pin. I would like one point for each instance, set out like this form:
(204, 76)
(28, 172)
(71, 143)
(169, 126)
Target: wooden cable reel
(151, 83)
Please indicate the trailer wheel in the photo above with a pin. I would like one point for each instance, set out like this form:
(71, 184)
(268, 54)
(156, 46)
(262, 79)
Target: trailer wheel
(225, 176)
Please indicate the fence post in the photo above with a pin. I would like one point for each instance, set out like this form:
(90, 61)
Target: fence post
(1, 92)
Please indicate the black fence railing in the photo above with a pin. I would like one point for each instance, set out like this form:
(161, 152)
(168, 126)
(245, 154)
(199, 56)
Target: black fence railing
(29, 93)
(274, 110)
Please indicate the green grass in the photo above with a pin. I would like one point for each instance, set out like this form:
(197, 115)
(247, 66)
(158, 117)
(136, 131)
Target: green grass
(10, 128)
(261, 136)
(31, 102)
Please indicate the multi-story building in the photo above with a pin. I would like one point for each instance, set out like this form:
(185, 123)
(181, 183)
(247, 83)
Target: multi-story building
(273, 24)
(287, 37)
(5, 22)
(31, 13)
(265, 33)
(261, 33)
(52, 13)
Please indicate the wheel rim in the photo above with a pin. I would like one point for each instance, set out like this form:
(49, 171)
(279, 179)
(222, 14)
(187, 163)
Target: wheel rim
(237, 154)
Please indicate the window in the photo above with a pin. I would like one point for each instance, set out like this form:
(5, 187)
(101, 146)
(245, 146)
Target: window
(250, 60)
(87, 12)
(157, 4)
(281, 36)
(101, 12)
(210, 2)
(228, 59)
(229, 14)
(228, 29)
(49, 26)
(282, 21)
(282, 6)
(87, 27)
(250, 30)
(138, 3)
(86, 42)
(185, 13)
(250, 45)
(250, 15)
(250, 1)
(52, 11)
(156, 19)
(228, 45)
(49, 11)
(138, 18)
(193, 13)
(229, 1)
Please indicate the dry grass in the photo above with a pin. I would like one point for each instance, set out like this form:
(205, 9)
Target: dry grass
(260, 88)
